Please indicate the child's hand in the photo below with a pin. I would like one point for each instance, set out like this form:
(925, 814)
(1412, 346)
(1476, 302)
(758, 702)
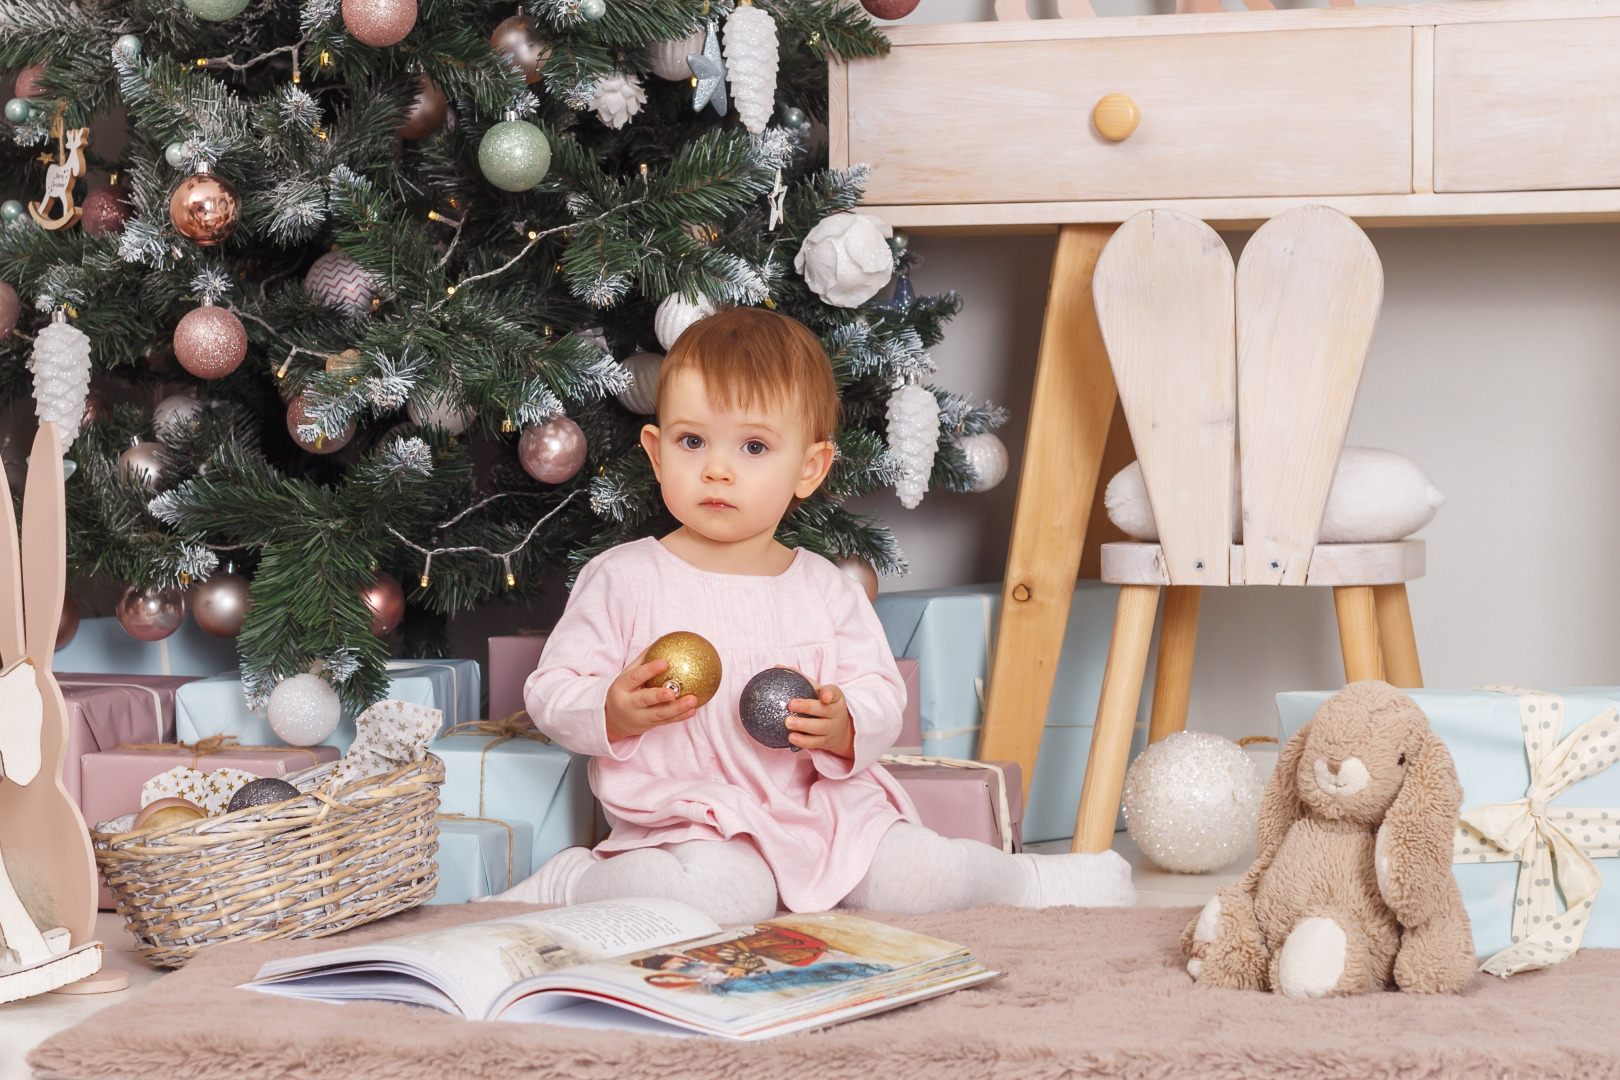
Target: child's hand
(822, 722)
(634, 708)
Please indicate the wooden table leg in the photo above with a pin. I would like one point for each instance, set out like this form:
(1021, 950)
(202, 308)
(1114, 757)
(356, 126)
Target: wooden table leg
(1172, 679)
(1116, 718)
(1397, 641)
(1358, 632)
(1069, 413)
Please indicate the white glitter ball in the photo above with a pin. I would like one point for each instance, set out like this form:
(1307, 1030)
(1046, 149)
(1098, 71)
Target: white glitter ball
(1191, 801)
(304, 710)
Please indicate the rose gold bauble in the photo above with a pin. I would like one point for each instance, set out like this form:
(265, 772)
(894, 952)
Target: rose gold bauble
(296, 416)
(864, 575)
(516, 38)
(10, 308)
(144, 463)
(379, 22)
(205, 208)
(889, 9)
(105, 210)
(96, 407)
(386, 602)
(68, 625)
(221, 603)
(28, 82)
(427, 110)
(170, 811)
(210, 342)
(553, 451)
(151, 614)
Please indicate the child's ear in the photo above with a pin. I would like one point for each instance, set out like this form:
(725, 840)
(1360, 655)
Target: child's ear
(818, 461)
(649, 443)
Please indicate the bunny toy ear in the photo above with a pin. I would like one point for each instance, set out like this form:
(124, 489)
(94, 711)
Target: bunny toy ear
(1413, 856)
(1279, 808)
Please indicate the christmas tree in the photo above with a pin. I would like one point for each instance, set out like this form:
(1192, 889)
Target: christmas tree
(417, 260)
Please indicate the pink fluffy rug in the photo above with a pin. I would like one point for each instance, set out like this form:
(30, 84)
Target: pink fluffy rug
(1089, 993)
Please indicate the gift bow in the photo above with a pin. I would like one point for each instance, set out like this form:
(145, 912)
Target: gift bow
(1554, 846)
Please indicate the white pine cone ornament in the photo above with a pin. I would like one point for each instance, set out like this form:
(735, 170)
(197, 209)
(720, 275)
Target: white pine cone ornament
(61, 367)
(987, 457)
(846, 259)
(618, 98)
(913, 440)
(675, 314)
(751, 65)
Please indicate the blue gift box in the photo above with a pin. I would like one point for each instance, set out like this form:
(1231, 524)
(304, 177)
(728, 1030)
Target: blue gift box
(216, 706)
(951, 631)
(1482, 730)
(104, 647)
(519, 780)
(480, 858)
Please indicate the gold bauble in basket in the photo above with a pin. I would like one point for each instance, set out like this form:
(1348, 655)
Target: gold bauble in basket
(694, 666)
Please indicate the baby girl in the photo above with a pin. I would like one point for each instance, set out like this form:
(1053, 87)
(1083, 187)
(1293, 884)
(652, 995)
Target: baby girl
(702, 813)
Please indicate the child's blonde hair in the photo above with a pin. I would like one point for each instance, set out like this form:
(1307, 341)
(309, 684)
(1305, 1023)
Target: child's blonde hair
(749, 357)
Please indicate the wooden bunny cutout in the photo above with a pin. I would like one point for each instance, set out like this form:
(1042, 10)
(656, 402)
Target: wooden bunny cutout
(44, 846)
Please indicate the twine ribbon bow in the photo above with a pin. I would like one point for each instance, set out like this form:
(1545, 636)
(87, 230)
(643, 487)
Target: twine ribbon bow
(1553, 845)
(516, 726)
(216, 744)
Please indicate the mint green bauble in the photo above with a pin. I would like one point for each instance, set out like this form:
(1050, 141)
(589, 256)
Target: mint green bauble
(216, 10)
(514, 155)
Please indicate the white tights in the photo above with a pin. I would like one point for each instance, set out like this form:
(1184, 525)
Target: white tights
(914, 871)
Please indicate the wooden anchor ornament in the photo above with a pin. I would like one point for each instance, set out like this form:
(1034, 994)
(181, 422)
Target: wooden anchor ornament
(61, 175)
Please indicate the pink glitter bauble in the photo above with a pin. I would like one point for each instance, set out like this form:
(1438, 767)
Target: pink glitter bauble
(210, 342)
(106, 209)
(889, 9)
(28, 81)
(379, 22)
(553, 451)
(296, 417)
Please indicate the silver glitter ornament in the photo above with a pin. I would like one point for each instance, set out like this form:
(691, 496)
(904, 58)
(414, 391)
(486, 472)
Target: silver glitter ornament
(710, 71)
(764, 705)
(261, 792)
(1191, 802)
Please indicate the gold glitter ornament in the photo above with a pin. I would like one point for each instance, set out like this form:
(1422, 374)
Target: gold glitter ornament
(694, 666)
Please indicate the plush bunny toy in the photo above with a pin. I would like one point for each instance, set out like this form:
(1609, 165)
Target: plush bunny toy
(1351, 889)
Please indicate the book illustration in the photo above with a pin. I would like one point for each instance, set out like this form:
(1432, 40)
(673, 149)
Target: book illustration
(762, 959)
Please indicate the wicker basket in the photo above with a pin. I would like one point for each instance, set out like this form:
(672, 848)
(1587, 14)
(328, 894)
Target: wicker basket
(307, 867)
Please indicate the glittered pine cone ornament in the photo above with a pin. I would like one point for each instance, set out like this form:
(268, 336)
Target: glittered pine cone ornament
(694, 665)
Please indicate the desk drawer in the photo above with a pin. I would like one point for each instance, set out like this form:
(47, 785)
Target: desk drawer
(1528, 106)
(1319, 112)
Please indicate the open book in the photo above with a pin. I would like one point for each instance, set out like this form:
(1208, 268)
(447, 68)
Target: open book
(652, 966)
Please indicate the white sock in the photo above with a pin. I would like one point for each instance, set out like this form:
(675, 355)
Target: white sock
(554, 883)
(916, 871)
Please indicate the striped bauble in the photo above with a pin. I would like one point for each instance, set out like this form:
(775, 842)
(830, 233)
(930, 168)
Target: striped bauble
(337, 281)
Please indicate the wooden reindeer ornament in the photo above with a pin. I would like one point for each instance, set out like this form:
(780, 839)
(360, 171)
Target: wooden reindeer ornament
(46, 863)
(61, 175)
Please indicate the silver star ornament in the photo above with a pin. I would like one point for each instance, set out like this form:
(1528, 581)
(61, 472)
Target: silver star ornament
(710, 71)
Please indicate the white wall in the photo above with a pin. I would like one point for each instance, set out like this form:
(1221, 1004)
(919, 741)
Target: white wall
(1496, 367)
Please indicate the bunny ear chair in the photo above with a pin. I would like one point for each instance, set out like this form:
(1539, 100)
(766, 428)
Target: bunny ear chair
(47, 869)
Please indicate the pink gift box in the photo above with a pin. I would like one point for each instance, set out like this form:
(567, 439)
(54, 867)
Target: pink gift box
(965, 802)
(910, 740)
(107, 711)
(512, 659)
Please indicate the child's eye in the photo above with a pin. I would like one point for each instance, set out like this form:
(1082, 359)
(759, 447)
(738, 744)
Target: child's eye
(754, 448)
(690, 442)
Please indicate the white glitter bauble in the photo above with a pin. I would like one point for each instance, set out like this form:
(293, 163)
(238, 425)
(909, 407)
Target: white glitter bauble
(641, 396)
(618, 98)
(61, 367)
(987, 457)
(751, 65)
(669, 57)
(176, 411)
(1191, 801)
(338, 281)
(304, 710)
(846, 259)
(675, 314)
(439, 412)
(913, 440)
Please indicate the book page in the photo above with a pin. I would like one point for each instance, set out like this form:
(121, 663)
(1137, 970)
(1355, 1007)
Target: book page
(756, 975)
(473, 964)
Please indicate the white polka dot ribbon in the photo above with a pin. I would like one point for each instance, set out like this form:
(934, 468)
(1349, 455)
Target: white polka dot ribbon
(1553, 845)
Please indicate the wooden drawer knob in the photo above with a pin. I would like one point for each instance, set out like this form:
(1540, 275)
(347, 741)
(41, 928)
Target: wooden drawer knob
(1116, 116)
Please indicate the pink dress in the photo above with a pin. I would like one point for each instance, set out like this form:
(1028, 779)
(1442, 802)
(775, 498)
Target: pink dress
(815, 817)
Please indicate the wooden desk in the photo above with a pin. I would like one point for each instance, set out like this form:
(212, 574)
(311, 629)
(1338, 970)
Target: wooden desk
(1486, 112)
